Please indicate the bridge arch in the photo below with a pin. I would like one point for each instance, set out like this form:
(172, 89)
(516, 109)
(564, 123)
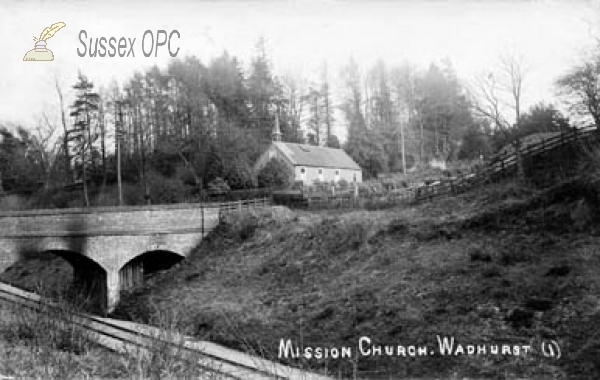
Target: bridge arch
(88, 286)
(133, 272)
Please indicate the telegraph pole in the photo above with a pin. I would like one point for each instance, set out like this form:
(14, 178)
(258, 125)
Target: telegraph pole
(401, 135)
(119, 133)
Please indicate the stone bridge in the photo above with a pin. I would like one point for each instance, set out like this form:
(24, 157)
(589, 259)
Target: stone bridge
(109, 248)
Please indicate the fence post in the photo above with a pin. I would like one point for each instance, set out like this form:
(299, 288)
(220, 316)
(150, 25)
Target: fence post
(543, 145)
(240, 205)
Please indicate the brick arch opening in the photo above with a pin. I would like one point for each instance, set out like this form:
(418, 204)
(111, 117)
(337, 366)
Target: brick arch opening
(88, 286)
(146, 264)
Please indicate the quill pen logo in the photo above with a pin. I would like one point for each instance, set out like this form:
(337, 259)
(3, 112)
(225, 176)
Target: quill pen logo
(40, 52)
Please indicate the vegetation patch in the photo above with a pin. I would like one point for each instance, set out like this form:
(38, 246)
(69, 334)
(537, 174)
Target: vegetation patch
(400, 276)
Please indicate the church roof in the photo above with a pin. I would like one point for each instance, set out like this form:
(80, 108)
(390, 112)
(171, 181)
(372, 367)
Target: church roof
(319, 156)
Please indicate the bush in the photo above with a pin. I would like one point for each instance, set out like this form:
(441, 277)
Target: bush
(56, 198)
(218, 186)
(274, 174)
(363, 191)
(298, 185)
(241, 225)
(238, 176)
(132, 195)
(184, 174)
(166, 190)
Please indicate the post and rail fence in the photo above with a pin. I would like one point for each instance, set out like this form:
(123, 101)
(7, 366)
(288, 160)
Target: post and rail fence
(502, 165)
(241, 205)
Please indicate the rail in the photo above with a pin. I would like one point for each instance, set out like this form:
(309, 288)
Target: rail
(116, 336)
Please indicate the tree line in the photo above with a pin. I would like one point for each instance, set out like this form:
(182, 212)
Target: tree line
(179, 128)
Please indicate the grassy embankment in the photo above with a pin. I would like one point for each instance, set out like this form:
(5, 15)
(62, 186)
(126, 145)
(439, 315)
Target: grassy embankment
(43, 343)
(505, 265)
(502, 265)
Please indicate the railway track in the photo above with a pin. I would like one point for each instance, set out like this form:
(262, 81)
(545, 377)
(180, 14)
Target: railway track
(131, 338)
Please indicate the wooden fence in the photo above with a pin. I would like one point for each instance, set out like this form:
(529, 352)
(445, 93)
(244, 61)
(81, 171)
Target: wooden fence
(501, 165)
(241, 205)
(347, 200)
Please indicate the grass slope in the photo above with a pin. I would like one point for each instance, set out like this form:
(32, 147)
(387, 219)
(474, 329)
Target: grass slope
(501, 266)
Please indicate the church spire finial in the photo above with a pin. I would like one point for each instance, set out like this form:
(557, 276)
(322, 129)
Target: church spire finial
(276, 135)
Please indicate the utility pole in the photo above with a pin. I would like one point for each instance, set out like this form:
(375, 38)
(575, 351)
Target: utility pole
(317, 126)
(119, 133)
(401, 135)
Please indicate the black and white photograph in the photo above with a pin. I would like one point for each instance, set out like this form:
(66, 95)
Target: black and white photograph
(300, 189)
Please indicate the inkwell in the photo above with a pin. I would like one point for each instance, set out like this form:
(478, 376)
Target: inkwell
(40, 52)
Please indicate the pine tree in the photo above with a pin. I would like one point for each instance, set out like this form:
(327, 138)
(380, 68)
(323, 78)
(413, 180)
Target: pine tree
(84, 108)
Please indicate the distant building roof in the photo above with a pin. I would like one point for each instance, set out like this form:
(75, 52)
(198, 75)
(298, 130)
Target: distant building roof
(310, 155)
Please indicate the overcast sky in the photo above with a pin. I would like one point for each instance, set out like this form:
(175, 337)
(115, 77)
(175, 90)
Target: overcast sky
(301, 35)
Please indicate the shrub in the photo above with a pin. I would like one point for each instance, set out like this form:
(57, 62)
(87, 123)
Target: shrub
(132, 194)
(274, 174)
(247, 228)
(167, 190)
(184, 174)
(238, 176)
(241, 225)
(364, 191)
(298, 185)
(218, 186)
(57, 198)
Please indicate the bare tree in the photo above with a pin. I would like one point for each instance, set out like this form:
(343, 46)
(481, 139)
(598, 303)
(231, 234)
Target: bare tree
(513, 73)
(486, 100)
(296, 96)
(404, 79)
(327, 110)
(495, 92)
(46, 148)
(580, 88)
(67, 136)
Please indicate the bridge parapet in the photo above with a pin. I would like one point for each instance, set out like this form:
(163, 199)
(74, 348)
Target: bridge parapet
(125, 221)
